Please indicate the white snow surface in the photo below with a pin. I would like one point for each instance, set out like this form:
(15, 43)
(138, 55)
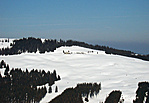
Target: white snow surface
(5, 44)
(113, 71)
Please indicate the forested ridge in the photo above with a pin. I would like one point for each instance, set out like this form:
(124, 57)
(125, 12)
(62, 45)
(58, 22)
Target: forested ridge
(31, 45)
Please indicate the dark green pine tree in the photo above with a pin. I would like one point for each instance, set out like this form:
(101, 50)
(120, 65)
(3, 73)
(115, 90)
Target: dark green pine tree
(6, 70)
(3, 64)
(0, 65)
(54, 75)
(58, 78)
(7, 67)
(56, 89)
(50, 89)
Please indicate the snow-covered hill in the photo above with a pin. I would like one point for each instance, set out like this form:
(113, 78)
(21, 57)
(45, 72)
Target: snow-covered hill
(86, 65)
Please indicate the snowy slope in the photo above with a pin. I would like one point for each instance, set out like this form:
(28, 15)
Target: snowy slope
(113, 71)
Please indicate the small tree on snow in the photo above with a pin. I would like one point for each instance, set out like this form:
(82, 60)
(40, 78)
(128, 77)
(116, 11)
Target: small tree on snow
(50, 89)
(56, 89)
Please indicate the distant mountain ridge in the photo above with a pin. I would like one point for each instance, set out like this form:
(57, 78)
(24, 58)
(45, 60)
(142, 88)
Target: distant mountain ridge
(32, 44)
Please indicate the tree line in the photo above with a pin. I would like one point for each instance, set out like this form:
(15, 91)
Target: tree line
(17, 86)
(74, 95)
(31, 45)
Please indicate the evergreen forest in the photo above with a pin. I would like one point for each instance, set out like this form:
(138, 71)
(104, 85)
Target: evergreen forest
(17, 86)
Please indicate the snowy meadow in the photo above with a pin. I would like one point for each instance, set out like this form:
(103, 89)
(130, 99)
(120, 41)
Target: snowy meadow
(82, 65)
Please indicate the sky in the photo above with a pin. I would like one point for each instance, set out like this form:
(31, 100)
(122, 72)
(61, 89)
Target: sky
(108, 22)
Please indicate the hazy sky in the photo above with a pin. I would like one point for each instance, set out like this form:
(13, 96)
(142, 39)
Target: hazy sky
(85, 20)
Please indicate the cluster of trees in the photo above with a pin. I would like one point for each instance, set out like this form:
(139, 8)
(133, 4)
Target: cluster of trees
(142, 93)
(21, 86)
(114, 97)
(74, 95)
(50, 89)
(33, 44)
(69, 95)
(30, 45)
(86, 89)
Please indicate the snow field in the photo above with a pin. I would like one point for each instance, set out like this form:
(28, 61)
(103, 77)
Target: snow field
(113, 71)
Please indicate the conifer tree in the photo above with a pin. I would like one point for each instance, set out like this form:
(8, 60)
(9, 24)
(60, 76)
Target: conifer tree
(26, 70)
(0, 76)
(54, 75)
(7, 67)
(6, 70)
(56, 89)
(3, 64)
(0, 65)
(50, 89)
(58, 78)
